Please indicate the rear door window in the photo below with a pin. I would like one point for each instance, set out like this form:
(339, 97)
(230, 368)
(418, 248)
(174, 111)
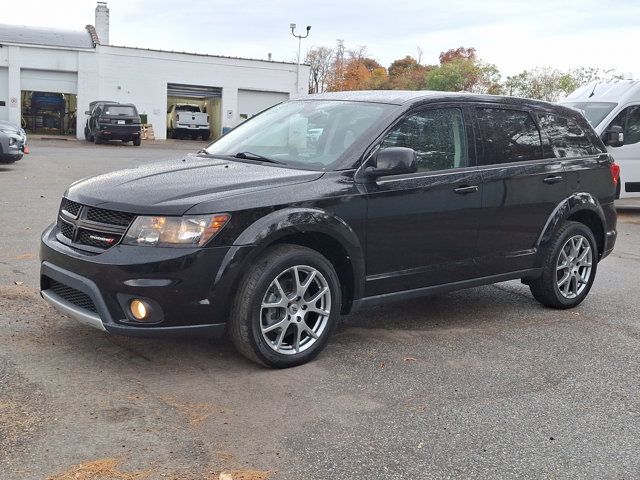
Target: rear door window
(508, 136)
(437, 135)
(567, 138)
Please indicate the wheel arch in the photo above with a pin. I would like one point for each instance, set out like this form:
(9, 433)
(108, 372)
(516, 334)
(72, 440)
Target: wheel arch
(313, 228)
(580, 207)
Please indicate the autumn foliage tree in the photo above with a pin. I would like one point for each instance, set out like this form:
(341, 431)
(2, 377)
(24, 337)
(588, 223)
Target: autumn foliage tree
(459, 69)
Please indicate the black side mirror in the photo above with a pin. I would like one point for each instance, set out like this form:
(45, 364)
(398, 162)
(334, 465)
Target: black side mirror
(394, 161)
(614, 137)
(87, 112)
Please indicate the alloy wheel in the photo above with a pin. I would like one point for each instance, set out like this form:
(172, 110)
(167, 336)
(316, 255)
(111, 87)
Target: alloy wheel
(295, 310)
(573, 269)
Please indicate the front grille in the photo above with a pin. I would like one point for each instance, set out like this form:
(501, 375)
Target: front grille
(90, 228)
(72, 207)
(96, 239)
(71, 295)
(66, 229)
(111, 217)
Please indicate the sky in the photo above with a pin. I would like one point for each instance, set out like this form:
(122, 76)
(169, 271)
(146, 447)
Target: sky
(514, 35)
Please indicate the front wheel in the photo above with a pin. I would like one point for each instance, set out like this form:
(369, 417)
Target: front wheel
(286, 308)
(569, 267)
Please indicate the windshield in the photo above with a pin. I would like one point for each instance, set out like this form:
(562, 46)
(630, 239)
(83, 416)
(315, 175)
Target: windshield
(188, 108)
(311, 134)
(594, 111)
(119, 110)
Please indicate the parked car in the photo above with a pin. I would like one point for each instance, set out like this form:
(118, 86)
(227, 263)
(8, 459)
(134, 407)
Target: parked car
(273, 237)
(609, 106)
(113, 121)
(13, 142)
(187, 119)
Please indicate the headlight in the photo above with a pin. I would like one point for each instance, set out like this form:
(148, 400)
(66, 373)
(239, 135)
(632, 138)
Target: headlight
(186, 231)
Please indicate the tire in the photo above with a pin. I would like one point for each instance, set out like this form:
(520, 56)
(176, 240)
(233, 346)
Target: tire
(206, 136)
(559, 262)
(86, 134)
(248, 316)
(96, 139)
(137, 141)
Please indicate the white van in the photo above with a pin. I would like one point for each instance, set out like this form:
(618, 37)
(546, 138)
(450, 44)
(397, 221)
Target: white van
(615, 104)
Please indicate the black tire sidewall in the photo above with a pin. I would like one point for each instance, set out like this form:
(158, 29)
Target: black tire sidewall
(574, 229)
(258, 343)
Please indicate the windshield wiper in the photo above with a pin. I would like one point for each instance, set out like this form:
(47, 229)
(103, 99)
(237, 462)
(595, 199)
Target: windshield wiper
(255, 156)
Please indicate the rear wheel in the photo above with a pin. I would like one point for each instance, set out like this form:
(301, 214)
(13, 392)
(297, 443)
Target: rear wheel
(286, 308)
(569, 267)
(137, 141)
(206, 136)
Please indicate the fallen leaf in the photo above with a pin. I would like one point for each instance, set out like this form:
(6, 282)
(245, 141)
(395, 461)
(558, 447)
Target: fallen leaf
(409, 359)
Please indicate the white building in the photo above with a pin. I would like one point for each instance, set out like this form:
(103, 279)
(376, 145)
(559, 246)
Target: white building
(83, 67)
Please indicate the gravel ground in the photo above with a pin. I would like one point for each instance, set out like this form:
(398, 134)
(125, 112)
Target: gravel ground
(482, 383)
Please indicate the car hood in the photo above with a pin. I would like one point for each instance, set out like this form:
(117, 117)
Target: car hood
(9, 127)
(173, 187)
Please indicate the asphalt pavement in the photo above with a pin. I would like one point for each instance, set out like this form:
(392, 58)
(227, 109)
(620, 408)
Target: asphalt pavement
(481, 383)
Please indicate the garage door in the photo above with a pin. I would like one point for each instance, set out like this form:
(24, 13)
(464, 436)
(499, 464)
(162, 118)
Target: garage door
(251, 102)
(4, 93)
(192, 91)
(48, 81)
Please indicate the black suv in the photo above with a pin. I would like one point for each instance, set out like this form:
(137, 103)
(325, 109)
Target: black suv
(319, 205)
(112, 121)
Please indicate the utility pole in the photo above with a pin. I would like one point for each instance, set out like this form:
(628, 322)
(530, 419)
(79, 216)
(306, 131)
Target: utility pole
(292, 26)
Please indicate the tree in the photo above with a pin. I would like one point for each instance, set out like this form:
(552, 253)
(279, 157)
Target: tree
(457, 54)
(354, 70)
(320, 60)
(464, 73)
(407, 74)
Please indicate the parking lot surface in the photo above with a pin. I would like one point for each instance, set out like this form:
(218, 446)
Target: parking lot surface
(481, 383)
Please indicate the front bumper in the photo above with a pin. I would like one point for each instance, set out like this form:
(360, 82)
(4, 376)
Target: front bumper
(13, 147)
(189, 289)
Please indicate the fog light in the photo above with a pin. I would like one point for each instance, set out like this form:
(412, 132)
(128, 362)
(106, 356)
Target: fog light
(139, 309)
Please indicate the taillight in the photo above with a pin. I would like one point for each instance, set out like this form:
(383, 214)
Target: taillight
(615, 172)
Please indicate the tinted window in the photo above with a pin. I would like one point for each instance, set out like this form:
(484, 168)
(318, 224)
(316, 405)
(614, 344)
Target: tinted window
(566, 136)
(629, 120)
(508, 136)
(188, 108)
(119, 110)
(438, 136)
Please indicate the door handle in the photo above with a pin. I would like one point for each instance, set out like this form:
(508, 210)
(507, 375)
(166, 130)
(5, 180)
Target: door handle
(556, 179)
(466, 189)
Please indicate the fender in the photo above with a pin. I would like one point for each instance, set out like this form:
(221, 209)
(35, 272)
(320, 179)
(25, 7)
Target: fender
(281, 223)
(567, 207)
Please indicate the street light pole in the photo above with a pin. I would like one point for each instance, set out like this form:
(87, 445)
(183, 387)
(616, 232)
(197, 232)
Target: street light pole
(292, 26)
